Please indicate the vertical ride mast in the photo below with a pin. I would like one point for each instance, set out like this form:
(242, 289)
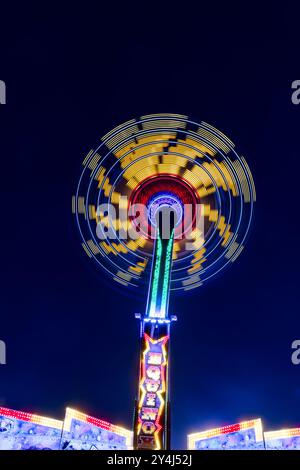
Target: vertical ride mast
(152, 414)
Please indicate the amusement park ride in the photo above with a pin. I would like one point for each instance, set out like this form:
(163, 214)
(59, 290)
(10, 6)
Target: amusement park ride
(166, 202)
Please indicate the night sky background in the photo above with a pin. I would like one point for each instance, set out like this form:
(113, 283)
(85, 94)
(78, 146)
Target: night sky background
(72, 74)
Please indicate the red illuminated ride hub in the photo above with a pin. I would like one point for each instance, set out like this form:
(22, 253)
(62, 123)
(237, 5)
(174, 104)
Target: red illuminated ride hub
(164, 188)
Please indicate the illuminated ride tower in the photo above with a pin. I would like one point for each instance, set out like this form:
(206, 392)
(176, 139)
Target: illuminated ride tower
(195, 198)
(152, 409)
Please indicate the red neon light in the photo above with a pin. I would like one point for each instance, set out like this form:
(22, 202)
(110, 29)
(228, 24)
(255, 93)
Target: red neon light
(31, 417)
(231, 428)
(21, 415)
(100, 424)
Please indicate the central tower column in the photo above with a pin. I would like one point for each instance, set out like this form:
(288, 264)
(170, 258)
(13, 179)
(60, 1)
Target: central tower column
(152, 412)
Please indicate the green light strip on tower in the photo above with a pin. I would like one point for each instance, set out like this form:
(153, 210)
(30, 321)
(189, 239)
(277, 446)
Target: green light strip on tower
(155, 282)
(166, 279)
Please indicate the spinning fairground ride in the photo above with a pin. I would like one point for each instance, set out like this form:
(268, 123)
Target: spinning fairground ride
(165, 202)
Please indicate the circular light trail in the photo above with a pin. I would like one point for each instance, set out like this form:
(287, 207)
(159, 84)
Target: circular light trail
(164, 160)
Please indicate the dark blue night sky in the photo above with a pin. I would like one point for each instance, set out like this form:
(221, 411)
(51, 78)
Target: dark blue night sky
(72, 74)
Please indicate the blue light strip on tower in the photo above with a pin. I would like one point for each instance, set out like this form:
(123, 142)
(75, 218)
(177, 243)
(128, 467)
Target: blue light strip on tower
(166, 278)
(155, 280)
(160, 279)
